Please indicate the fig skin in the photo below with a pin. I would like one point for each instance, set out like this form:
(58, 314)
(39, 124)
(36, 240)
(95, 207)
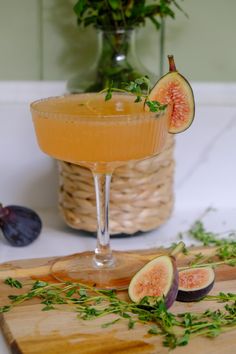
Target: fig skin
(172, 293)
(169, 294)
(20, 225)
(188, 295)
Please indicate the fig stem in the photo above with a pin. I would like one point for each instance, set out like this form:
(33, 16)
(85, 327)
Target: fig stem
(178, 248)
(172, 66)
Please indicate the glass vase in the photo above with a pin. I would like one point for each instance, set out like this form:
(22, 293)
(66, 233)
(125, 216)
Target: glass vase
(117, 62)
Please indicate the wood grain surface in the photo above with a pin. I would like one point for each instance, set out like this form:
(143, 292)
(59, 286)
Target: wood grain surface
(28, 330)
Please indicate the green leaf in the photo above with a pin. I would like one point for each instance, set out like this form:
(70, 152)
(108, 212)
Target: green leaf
(108, 324)
(70, 292)
(48, 308)
(90, 20)
(79, 7)
(39, 284)
(138, 99)
(182, 341)
(155, 22)
(13, 298)
(154, 330)
(108, 95)
(125, 315)
(155, 106)
(13, 283)
(115, 4)
(131, 323)
(180, 8)
(6, 308)
(82, 292)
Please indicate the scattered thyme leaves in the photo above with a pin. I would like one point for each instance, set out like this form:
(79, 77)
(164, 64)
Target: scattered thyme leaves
(175, 329)
(90, 303)
(225, 247)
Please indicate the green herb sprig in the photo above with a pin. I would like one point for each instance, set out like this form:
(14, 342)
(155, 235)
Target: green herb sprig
(89, 303)
(140, 88)
(223, 244)
(225, 247)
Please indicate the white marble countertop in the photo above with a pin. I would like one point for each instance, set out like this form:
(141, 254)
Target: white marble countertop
(205, 173)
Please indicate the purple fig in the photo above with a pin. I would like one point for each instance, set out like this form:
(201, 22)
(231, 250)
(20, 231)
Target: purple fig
(159, 277)
(19, 225)
(195, 283)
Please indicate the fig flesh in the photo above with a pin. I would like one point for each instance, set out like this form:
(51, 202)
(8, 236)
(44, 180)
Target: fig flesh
(195, 283)
(158, 278)
(175, 90)
(20, 225)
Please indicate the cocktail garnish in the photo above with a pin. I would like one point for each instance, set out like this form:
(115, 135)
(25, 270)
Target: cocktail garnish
(172, 89)
(140, 88)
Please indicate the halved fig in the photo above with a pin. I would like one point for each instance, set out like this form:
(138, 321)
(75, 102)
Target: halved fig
(157, 278)
(174, 89)
(195, 283)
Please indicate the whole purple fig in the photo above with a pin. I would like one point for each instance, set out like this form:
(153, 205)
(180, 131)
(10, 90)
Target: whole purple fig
(19, 225)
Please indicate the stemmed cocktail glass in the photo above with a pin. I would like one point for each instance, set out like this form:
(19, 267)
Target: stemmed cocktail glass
(101, 135)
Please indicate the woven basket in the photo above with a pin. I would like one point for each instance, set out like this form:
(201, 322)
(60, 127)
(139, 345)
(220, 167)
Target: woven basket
(141, 194)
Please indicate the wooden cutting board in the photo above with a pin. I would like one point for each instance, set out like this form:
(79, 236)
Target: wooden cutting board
(28, 330)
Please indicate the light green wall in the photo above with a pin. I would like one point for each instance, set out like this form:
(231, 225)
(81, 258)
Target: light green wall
(39, 39)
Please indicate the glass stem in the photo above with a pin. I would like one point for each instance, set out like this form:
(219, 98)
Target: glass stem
(103, 255)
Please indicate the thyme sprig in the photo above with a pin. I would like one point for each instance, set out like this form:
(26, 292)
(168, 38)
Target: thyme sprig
(224, 247)
(140, 88)
(90, 303)
(223, 244)
(194, 264)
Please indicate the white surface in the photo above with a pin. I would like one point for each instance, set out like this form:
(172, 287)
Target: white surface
(205, 172)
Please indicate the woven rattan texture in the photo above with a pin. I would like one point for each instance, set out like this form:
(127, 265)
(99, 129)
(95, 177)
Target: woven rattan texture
(141, 194)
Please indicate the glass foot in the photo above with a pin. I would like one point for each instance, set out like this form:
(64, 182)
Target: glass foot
(80, 268)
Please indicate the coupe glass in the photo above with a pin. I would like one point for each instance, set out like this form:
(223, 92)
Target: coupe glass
(101, 135)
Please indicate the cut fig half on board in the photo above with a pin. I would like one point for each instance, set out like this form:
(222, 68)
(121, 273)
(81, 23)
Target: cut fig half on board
(158, 278)
(195, 283)
(175, 90)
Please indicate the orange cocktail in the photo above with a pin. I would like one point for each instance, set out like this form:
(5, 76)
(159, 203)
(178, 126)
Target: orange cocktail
(86, 129)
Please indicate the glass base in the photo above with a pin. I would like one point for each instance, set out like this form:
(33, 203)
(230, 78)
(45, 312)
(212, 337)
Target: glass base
(81, 268)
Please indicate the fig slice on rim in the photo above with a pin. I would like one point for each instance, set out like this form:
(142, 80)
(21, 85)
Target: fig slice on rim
(158, 278)
(174, 89)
